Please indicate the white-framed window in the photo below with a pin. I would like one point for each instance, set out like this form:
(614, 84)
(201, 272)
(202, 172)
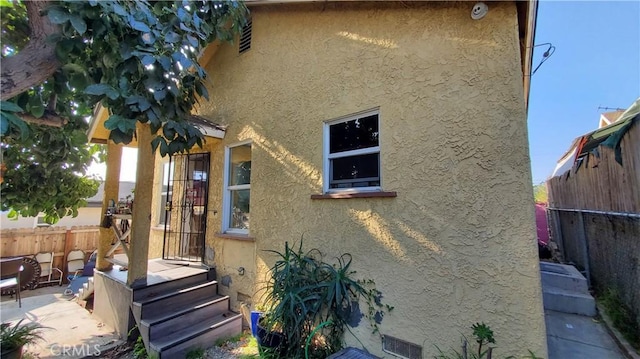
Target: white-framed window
(352, 153)
(164, 218)
(237, 188)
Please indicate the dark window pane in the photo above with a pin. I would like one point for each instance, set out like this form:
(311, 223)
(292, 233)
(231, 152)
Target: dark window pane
(355, 171)
(354, 134)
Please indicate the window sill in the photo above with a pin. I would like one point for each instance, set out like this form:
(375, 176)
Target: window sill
(160, 227)
(235, 236)
(381, 194)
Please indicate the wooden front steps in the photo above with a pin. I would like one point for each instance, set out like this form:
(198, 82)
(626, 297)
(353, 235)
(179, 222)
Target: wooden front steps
(180, 315)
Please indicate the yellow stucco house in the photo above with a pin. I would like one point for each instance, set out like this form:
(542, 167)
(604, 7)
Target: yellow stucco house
(394, 131)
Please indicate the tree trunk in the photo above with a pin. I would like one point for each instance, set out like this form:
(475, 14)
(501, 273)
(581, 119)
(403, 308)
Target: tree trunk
(37, 61)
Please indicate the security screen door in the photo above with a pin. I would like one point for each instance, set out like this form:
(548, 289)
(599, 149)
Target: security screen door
(185, 208)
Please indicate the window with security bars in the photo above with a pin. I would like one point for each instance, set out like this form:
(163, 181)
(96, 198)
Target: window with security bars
(352, 153)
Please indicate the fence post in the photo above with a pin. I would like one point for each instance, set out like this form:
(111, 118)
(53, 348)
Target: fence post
(582, 236)
(68, 238)
(557, 226)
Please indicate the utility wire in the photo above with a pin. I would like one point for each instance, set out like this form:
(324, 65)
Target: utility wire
(545, 56)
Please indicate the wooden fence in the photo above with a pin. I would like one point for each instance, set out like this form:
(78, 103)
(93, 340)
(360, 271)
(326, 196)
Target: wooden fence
(601, 183)
(59, 240)
(594, 215)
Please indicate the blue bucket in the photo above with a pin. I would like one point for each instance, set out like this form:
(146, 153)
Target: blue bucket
(255, 316)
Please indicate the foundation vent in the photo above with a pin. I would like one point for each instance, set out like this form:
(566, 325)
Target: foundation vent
(401, 348)
(245, 38)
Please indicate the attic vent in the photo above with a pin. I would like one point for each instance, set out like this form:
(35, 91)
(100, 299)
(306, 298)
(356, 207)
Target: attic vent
(401, 348)
(245, 38)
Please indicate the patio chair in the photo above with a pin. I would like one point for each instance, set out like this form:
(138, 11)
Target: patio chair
(10, 269)
(45, 259)
(75, 263)
(82, 276)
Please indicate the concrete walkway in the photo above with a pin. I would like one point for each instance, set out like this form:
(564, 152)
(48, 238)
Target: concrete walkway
(572, 336)
(74, 332)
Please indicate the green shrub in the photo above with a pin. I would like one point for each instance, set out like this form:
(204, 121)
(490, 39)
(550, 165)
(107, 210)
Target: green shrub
(622, 316)
(311, 302)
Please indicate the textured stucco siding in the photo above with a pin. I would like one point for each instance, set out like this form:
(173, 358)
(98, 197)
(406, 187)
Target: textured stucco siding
(457, 245)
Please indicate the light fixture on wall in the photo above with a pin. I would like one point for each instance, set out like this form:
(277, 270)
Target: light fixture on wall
(479, 10)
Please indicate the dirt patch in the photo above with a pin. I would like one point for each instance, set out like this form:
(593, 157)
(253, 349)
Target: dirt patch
(242, 347)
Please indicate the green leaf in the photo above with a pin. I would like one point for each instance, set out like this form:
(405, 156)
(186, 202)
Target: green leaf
(57, 15)
(192, 41)
(12, 215)
(125, 51)
(182, 59)
(37, 109)
(120, 137)
(63, 48)
(148, 60)
(171, 37)
(78, 81)
(70, 67)
(159, 95)
(17, 122)
(138, 25)
(201, 90)
(10, 107)
(78, 23)
(164, 148)
(102, 89)
(4, 125)
(165, 62)
(119, 10)
(183, 15)
(112, 122)
(155, 142)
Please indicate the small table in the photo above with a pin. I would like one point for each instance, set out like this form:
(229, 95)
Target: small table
(122, 230)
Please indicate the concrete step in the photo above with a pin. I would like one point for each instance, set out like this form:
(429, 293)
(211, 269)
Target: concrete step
(201, 335)
(87, 290)
(563, 276)
(568, 301)
(168, 286)
(167, 323)
(173, 300)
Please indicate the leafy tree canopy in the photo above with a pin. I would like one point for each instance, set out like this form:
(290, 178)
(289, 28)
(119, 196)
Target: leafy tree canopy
(139, 59)
(540, 193)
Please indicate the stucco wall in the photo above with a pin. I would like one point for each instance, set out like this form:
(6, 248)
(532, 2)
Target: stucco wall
(457, 245)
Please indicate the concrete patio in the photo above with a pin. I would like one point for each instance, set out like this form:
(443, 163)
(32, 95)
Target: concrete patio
(73, 333)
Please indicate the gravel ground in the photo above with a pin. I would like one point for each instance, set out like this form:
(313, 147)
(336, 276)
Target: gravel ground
(245, 347)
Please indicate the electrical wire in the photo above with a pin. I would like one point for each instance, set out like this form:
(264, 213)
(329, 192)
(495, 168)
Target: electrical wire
(545, 56)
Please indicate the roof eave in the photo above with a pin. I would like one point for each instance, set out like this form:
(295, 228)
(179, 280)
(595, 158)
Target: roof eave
(529, 43)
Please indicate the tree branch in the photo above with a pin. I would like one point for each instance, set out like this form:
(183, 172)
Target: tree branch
(49, 119)
(37, 61)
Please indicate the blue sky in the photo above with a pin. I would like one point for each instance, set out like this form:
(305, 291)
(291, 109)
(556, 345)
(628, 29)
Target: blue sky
(596, 63)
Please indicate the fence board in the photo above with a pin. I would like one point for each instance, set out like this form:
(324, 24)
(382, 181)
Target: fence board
(27, 242)
(601, 183)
